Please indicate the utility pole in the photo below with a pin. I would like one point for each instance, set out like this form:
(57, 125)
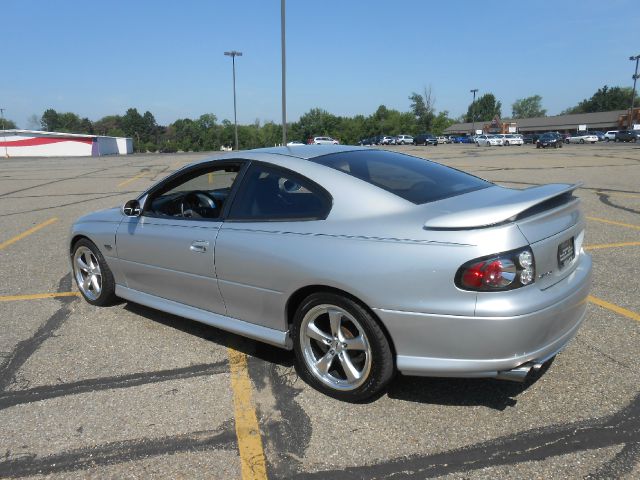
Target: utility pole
(4, 137)
(633, 95)
(233, 54)
(284, 73)
(473, 110)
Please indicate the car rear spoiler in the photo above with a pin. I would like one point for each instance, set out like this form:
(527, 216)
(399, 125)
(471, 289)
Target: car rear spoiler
(506, 209)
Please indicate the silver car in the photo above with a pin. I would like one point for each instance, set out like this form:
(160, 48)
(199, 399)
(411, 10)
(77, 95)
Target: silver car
(364, 262)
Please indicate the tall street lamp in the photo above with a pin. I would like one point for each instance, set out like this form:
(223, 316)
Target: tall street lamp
(5, 138)
(284, 73)
(473, 110)
(633, 95)
(233, 54)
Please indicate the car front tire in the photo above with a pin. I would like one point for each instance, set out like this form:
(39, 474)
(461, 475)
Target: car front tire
(92, 274)
(340, 348)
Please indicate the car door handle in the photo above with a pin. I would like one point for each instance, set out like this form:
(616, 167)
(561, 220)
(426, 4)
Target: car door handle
(199, 246)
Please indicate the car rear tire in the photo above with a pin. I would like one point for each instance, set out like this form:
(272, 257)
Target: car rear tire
(340, 348)
(92, 274)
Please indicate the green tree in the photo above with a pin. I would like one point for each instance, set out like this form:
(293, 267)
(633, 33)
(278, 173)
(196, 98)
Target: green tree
(149, 128)
(318, 122)
(69, 122)
(441, 122)
(484, 110)
(423, 108)
(109, 125)
(6, 124)
(528, 107)
(605, 100)
(133, 126)
(50, 120)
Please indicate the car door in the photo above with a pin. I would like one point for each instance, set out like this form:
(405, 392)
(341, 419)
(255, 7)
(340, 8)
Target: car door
(253, 252)
(168, 250)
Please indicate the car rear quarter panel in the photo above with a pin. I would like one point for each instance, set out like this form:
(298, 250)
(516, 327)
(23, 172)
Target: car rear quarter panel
(260, 266)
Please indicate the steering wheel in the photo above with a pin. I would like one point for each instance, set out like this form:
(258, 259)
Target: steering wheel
(195, 203)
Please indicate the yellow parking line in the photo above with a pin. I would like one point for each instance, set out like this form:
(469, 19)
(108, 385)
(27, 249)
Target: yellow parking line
(132, 179)
(611, 222)
(252, 460)
(611, 245)
(615, 308)
(13, 240)
(38, 296)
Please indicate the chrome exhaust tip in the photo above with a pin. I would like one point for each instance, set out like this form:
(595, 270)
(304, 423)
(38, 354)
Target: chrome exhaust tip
(518, 374)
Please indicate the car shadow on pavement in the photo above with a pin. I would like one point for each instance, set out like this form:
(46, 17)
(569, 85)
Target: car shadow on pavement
(486, 392)
(494, 394)
(223, 338)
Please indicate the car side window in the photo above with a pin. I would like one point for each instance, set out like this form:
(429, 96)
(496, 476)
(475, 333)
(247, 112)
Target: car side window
(274, 194)
(196, 195)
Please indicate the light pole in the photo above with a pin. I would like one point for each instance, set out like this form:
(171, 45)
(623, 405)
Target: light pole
(633, 95)
(233, 54)
(473, 110)
(284, 73)
(5, 138)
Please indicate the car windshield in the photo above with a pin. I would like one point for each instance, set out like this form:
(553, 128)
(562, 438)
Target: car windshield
(414, 179)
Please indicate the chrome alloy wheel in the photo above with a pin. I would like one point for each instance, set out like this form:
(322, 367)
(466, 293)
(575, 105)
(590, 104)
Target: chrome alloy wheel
(87, 272)
(335, 347)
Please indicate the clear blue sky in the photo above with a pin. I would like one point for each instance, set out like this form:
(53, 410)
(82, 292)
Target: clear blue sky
(348, 57)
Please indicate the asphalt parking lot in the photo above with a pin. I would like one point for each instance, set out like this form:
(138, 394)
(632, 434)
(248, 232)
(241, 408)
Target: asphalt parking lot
(129, 392)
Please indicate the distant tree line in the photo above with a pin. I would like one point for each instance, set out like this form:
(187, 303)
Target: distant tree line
(205, 133)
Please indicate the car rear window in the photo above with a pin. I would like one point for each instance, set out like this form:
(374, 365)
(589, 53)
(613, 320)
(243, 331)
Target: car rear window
(414, 179)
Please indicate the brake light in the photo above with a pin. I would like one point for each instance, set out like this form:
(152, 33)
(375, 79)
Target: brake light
(504, 271)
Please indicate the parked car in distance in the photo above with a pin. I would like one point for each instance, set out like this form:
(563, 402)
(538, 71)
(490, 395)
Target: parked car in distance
(549, 140)
(294, 143)
(443, 139)
(488, 140)
(388, 140)
(610, 135)
(581, 137)
(627, 136)
(510, 139)
(404, 139)
(598, 134)
(324, 141)
(530, 138)
(425, 139)
(284, 246)
(464, 139)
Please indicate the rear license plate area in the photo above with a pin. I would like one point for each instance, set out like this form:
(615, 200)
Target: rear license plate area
(566, 252)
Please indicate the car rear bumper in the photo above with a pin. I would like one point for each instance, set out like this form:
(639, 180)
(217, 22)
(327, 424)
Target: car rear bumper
(458, 346)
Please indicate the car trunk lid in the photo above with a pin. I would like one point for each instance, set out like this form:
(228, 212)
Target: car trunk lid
(548, 216)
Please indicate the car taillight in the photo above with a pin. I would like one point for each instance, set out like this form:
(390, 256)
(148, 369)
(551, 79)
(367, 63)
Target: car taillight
(503, 271)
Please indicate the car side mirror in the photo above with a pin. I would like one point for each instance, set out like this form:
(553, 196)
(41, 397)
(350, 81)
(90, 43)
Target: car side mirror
(132, 208)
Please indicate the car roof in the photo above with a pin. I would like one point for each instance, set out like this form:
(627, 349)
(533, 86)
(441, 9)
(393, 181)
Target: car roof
(306, 151)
